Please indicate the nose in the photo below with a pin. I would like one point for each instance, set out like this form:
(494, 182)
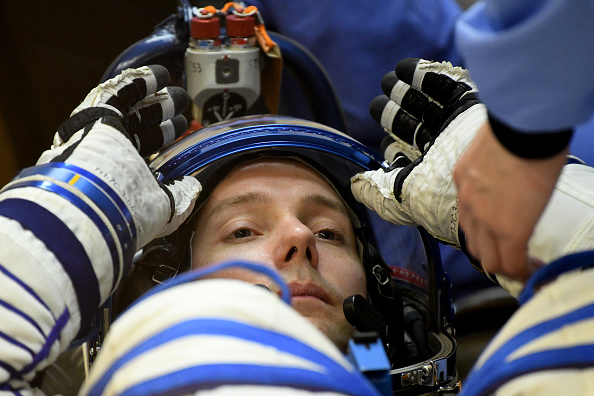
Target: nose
(296, 244)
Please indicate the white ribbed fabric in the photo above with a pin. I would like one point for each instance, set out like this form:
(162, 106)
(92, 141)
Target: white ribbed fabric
(554, 329)
(219, 337)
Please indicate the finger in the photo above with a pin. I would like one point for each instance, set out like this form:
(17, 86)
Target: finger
(401, 125)
(417, 104)
(393, 150)
(390, 148)
(400, 161)
(496, 254)
(115, 97)
(514, 259)
(391, 117)
(151, 140)
(469, 229)
(183, 194)
(443, 82)
(483, 245)
(156, 108)
(467, 222)
(408, 98)
(133, 85)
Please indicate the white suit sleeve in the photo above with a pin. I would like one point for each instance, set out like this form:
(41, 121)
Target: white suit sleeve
(61, 258)
(220, 337)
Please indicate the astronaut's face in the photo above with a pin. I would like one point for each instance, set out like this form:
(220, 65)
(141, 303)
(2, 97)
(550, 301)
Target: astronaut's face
(282, 214)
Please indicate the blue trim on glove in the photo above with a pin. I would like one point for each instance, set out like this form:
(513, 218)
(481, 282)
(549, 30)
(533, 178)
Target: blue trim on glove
(89, 184)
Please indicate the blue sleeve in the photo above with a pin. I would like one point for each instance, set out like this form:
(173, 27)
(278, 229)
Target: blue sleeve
(531, 60)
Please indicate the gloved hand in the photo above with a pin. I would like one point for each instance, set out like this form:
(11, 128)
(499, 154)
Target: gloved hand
(119, 122)
(71, 224)
(431, 114)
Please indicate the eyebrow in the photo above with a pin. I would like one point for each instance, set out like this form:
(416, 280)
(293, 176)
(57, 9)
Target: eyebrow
(260, 197)
(321, 200)
(239, 200)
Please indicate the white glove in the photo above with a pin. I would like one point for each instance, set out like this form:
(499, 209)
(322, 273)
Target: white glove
(431, 117)
(127, 115)
(432, 114)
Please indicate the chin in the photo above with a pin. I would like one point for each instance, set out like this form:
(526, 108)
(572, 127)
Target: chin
(338, 330)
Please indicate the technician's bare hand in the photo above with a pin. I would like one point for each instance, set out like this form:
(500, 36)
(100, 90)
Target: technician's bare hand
(501, 197)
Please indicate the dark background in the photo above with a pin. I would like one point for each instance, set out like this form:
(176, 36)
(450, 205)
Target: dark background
(51, 54)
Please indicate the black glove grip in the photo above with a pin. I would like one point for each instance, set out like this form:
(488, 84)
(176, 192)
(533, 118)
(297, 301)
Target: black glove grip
(403, 174)
(81, 119)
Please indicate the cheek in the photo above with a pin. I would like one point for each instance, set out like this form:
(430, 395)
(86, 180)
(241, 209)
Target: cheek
(219, 253)
(347, 275)
(358, 283)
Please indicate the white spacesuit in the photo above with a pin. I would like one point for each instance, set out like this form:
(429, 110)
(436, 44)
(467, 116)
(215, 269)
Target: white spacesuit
(71, 224)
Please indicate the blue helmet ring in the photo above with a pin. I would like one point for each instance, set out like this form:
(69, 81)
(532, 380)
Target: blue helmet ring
(335, 154)
(213, 151)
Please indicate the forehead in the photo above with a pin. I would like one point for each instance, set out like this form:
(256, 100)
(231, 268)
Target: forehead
(282, 177)
(284, 183)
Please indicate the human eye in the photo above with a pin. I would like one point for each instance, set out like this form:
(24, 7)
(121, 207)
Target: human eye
(329, 233)
(326, 234)
(330, 230)
(242, 233)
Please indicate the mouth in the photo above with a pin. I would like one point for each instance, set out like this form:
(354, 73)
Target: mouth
(308, 291)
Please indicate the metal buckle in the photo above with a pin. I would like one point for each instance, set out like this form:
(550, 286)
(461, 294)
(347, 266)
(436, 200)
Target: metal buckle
(377, 272)
(163, 273)
(432, 373)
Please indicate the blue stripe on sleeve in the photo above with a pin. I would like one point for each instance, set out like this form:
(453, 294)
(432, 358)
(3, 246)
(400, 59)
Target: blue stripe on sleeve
(59, 239)
(97, 191)
(42, 354)
(214, 375)
(24, 286)
(90, 184)
(88, 211)
(197, 274)
(499, 370)
(20, 313)
(30, 291)
(334, 377)
(16, 343)
(54, 335)
(8, 387)
(50, 338)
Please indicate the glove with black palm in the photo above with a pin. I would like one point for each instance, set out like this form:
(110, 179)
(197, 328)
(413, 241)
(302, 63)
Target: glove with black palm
(431, 114)
(75, 220)
(121, 121)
